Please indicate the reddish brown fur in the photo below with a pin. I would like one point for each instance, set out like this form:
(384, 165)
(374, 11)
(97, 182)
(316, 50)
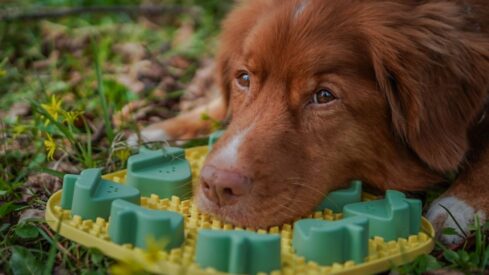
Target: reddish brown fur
(411, 77)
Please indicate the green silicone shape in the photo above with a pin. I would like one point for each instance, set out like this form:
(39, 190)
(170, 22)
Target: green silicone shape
(238, 252)
(327, 242)
(90, 196)
(163, 172)
(338, 199)
(391, 218)
(132, 224)
(214, 137)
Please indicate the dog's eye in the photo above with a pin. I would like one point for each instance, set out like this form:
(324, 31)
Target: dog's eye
(244, 80)
(323, 96)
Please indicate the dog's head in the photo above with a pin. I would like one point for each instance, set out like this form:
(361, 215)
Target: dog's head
(322, 92)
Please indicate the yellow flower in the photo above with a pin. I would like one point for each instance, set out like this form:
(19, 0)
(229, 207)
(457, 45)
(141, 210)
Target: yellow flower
(70, 117)
(215, 124)
(128, 267)
(154, 249)
(204, 116)
(122, 154)
(53, 108)
(19, 129)
(153, 254)
(50, 146)
(2, 73)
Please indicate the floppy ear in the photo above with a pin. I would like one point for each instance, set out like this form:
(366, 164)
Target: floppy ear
(433, 65)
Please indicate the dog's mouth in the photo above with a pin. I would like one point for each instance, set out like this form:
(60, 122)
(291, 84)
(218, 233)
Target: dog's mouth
(254, 211)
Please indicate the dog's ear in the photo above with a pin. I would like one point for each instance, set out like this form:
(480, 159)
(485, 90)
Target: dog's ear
(433, 65)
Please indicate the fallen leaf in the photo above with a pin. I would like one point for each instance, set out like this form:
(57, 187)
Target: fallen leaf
(130, 51)
(127, 113)
(40, 185)
(183, 36)
(202, 89)
(31, 214)
(19, 109)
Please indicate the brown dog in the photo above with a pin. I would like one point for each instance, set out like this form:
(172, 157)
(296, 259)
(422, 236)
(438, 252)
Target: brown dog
(322, 92)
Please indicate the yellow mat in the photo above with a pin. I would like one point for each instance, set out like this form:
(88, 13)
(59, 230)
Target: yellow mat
(381, 256)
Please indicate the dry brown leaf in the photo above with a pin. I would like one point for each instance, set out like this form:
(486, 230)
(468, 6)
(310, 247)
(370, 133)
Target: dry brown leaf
(130, 82)
(183, 36)
(202, 89)
(19, 109)
(151, 70)
(131, 52)
(128, 113)
(31, 213)
(41, 185)
(141, 75)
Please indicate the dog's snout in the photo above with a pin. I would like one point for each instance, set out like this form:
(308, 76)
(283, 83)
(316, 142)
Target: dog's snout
(223, 187)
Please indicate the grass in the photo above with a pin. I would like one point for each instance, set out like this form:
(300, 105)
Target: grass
(470, 257)
(62, 82)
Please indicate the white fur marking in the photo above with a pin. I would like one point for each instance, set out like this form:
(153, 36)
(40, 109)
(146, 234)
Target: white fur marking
(300, 8)
(462, 212)
(147, 135)
(228, 154)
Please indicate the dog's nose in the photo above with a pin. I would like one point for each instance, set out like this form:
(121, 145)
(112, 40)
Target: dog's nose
(223, 187)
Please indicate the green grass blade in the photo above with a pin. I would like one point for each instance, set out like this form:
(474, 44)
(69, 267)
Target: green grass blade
(455, 220)
(485, 260)
(89, 144)
(478, 238)
(51, 172)
(101, 92)
(52, 251)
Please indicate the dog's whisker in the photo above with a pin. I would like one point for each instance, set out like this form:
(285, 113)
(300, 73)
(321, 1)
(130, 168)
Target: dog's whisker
(323, 194)
(287, 214)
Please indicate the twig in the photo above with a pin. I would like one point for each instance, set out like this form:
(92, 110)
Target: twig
(455, 220)
(148, 10)
(3, 138)
(61, 159)
(60, 246)
(99, 132)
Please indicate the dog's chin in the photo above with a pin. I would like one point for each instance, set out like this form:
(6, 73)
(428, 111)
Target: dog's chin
(242, 215)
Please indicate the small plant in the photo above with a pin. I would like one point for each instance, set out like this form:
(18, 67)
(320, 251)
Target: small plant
(59, 122)
(471, 256)
(215, 124)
